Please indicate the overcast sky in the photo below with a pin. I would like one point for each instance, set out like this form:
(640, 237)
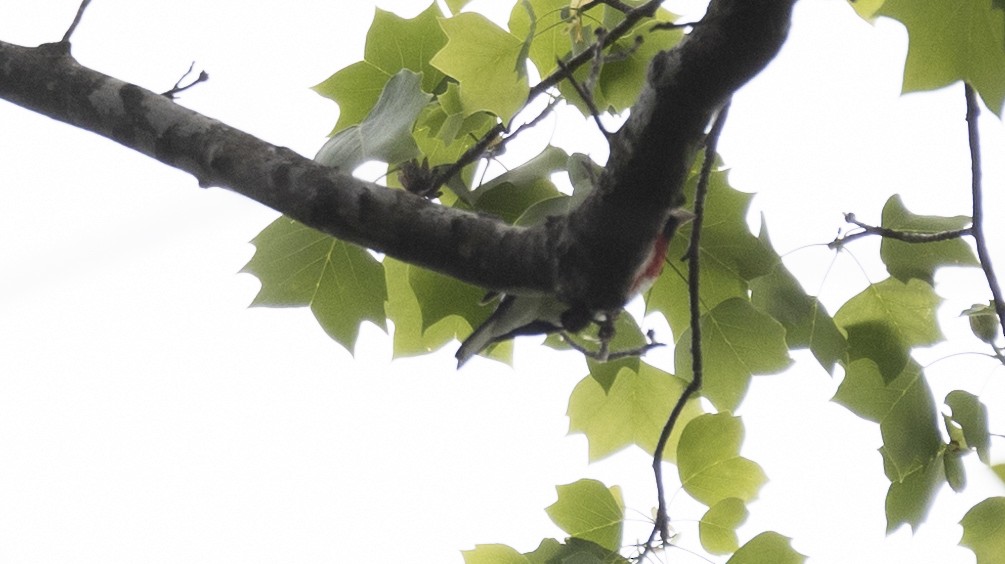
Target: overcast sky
(146, 414)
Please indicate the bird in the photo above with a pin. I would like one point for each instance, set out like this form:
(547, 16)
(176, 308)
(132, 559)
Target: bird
(542, 314)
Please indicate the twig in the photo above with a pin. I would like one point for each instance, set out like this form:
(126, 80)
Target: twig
(662, 525)
(905, 236)
(973, 136)
(76, 21)
(588, 100)
(178, 88)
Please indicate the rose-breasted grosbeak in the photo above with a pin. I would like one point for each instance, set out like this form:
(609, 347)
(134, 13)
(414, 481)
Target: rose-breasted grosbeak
(532, 315)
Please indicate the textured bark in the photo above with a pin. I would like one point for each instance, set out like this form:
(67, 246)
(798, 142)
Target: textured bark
(586, 258)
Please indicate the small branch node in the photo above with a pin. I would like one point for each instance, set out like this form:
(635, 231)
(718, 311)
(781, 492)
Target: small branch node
(178, 88)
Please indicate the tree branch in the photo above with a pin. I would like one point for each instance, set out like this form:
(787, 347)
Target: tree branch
(586, 258)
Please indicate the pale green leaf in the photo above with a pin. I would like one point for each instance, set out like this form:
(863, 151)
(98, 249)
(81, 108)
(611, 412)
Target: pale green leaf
(909, 499)
(591, 511)
(386, 133)
(709, 462)
(394, 43)
(355, 89)
(951, 42)
(484, 59)
(984, 530)
(984, 322)
(972, 416)
(494, 554)
(904, 408)
(717, 528)
(767, 547)
(887, 319)
(920, 260)
(737, 342)
(298, 266)
(633, 411)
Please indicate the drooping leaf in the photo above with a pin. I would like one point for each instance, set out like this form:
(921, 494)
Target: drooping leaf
(909, 499)
(956, 474)
(633, 411)
(768, 546)
(392, 44)
(717, 528)
(904, 408)
(483, 58)
(984, 530)
(737, 342)
(984, 322)
(591, 511)
(386, 133)
(920, 260)
(953, 41)
(709, 462)
(494, 554)
(298, 266)
(806, 322)
(887, 319)
(510, 194)
(972, 416)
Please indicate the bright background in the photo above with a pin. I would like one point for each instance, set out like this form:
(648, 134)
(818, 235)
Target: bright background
(147, 415)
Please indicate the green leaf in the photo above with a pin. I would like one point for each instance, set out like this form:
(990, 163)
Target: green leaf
(717, 528)
(494, 554)
(887, 319)
(984, 322)
(591, 511)
(546, 552)
(904, 408)
(386, 133)
(999, 470)
(737, 342)
(510, 194)
(972, 416)
(576, 551)
(709, 462)
(910, 498)
(355, 89)
(394, 43)
(767, 547)
(806, 322)
(956, 474)
(919, 260)
(298, 266)
(953, 41)
(984, 530)
(628, 336)
(457, 5)
(633, 411)
(485, 60)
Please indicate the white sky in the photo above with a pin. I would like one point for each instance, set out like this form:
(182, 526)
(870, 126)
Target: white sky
(147, 415)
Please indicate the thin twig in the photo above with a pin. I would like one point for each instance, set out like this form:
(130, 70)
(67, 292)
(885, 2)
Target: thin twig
(178, 88)
(662, 525)
(973, 136)
(588, 100)
(905, 236)
(76, 21)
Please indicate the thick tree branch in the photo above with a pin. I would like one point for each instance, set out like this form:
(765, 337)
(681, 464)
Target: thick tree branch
(586, 258)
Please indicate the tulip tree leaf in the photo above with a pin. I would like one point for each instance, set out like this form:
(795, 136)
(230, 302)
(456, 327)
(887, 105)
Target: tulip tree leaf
(633, 411)
(909, 499)
(737, 342)
(484, 59)
(984, 532)
(972, 416)
(768, 546)
(887, 319)
(298, 266)
(709, 462)
(591, 511)
(392, 44)
(494, 554)
(386, 133)
(717, 528)
(950, 42)
(919, 260)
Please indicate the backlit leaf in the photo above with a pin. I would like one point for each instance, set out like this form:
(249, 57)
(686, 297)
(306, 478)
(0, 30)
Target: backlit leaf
(909, 499)
(591, 511)
(984, 530)
(494, 554)
(972, 416)
(298, 266)
(920, 260)
(709, 462)
(485, 60)
(633, 411)
(767, 547)
(717, 528)
(737, 342)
